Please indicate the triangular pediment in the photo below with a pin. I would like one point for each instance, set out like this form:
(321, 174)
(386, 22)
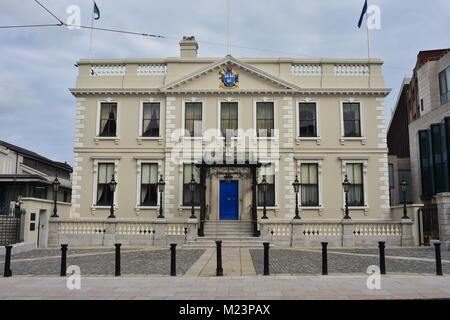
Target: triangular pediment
(250, 78)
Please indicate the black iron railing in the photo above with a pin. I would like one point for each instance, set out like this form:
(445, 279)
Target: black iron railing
(9, 230)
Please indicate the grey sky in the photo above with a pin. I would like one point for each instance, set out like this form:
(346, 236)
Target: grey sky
(37, 65)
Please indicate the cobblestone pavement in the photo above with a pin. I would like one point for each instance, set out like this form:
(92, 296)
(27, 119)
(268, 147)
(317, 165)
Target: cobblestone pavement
(309, 261)
(101, 261)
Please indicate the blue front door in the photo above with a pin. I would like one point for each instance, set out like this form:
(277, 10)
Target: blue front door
(229, 195)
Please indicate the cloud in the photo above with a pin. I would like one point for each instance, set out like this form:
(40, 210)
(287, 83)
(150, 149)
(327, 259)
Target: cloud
(36, 109)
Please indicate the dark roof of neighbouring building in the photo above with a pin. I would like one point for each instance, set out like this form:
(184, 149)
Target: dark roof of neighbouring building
(34, 155)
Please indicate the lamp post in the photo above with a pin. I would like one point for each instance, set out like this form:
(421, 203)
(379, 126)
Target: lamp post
(161, 185)
(192, 189)
(264, 190)
(345, 185)
(56, 185)
(296, 186)
(17, 208)
(112, 187)
(403, 185)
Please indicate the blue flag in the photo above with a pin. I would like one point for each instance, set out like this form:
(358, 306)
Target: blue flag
(364, 10)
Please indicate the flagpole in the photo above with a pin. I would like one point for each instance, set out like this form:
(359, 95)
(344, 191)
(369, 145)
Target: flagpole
(368, 45)
(92, 30)
(228, 27)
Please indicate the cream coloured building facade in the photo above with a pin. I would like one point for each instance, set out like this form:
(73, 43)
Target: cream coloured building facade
(142, 119)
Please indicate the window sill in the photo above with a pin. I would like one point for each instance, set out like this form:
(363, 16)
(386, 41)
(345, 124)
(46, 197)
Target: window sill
(311, 208)
(189, 207)
(318, 140)
(265, 138)
(182, 138)
(115, 139)
(147, 207)
(362, 139)
(100, 207)
(232, 138)
(365, 208)
(140, 139)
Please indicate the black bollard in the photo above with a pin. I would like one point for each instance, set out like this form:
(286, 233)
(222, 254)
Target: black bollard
(324, 258)
(382, 258)
(266, 258)
(7, 272)
(63, 272)
(118, 272)
(437, 249)
(173, 259)
(219, 269)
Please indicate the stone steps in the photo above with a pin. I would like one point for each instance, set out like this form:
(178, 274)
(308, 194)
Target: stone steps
(210, 242)
(220, 229)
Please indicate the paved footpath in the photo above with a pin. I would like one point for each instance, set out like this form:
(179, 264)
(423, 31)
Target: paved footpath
(346, 287)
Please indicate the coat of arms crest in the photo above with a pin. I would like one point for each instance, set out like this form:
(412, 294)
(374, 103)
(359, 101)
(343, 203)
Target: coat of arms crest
(229, 78)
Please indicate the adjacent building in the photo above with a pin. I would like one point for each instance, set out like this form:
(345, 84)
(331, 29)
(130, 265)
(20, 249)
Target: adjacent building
(27, 196)
(26, 174)
(424, 149)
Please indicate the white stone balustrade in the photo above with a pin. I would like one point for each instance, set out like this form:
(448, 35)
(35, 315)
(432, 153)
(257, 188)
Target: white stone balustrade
(134, 228)
(175, 229)
(108, 70)
(81, 228)
(322, 229)
(151, 69)
(385, 229)
(306, 69)
(351, 70)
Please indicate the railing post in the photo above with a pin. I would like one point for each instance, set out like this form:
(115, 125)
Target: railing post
(63, 272)
(7, 272)
(437, 250)
(118, 271)
(381, 246)
(266, 258)
(219, 269)
(324, 258)
(173, 259)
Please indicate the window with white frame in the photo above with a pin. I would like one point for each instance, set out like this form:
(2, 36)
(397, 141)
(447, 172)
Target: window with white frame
(189, 171)
(267, 171)
(150, 119)
(352, 119)
(229, 118)
(108, 119)
(149, 184)
(193, 119)
(265, 119)
(307, 119)
(309, 180)
(356, 184)
(104, 193)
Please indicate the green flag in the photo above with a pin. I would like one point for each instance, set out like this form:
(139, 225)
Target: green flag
(96, 11)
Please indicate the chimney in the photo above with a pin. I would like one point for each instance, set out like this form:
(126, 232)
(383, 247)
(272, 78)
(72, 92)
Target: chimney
(188, 47)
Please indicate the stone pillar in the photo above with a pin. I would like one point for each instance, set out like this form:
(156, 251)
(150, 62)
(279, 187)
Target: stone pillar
(348, 238)
(53, 229)
(109, 238)
(297, 235)
(407, 237)
(192, 231)
(160, 233)
(443, 207)
(264, 227)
